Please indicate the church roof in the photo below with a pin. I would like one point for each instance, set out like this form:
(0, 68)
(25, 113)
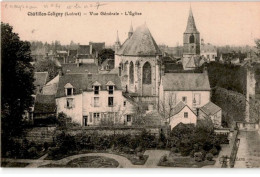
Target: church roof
(141, 43)
(185, 82)
(191, 26)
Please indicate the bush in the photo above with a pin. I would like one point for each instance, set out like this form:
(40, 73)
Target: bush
(198, 156)
(139, 149)
(214, 151)
(32, 151)
(140, 156)
(209, 157)
(164, 158)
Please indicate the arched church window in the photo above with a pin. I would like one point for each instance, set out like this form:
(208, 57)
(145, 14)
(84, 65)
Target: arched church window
(131, 72)
(192, 39)
(147, 73)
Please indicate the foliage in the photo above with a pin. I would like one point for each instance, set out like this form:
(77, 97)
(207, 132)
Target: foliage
(105, 54)
(257, 42)
(17, 80)
(188, 139)
(228, 76)
(209, 156)
(47, 65)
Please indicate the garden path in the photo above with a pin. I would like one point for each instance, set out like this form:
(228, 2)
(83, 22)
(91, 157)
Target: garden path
(152, 161)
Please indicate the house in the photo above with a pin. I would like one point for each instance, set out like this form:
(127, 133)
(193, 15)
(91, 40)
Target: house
(208, 51)
(93, 99)
(79, 68)
(89, 53)
(107, 65)
(193, 89)
(51, 87)
(45, 107)
(182, 114)
(212, 111)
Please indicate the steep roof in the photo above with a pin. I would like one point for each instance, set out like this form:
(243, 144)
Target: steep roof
(40, 80)
(83, 82)
(141, 43)
(191, 26)
(210, 108)
(45, 104)
(186, 82)
(180, 106)
(82, 68)
(208, 48)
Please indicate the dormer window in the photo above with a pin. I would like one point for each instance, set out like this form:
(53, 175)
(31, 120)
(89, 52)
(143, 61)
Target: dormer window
(69, 89)
(110, 87)
(96, 87)
(96, 90)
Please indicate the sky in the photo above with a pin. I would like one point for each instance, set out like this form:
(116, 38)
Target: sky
(219, 23)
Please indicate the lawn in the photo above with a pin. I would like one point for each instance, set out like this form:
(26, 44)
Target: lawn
(184, 162)
(14, 164)
(132, 157)
(87, 162)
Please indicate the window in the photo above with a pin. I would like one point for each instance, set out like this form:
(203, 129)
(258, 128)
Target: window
(207, 56)
(124, 103)
(184, 99)
(110, 90)
(96, 90)
(69, 104)
(147, 73)
(196, 98)
(96, 101)
(128, 118)
(69, 91)
(97, 116)
(192, 39)
(110, 101)
(131, 72)
(185, 114)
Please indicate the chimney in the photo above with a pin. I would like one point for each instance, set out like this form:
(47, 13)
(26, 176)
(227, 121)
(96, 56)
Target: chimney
(126, 90)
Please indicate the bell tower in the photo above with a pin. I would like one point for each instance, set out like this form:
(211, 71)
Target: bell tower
(191, 38)
(117, 43)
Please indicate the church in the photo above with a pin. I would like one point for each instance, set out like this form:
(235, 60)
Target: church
(138, 60)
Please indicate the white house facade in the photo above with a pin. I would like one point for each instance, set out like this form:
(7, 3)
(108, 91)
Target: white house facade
(93, 99)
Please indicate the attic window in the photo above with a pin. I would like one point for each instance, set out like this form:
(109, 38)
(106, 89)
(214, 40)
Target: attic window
(110, 89)
(69, 89)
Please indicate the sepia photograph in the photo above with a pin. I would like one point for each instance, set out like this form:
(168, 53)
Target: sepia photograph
(130, 84)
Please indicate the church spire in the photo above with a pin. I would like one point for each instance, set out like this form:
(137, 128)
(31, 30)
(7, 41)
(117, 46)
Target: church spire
(131, 31)
(191, 26)
(117, 43)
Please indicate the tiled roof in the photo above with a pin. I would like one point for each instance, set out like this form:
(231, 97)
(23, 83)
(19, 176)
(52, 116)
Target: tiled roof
(83, 68)
(208, 48)
(141, 43)
(45, 104)
(186, 82)
(40, 79)
(178, 108)
(210, 108)
(83, 82)
(191, 63)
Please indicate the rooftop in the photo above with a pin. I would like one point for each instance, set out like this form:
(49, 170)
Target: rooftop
(210, 108)
(186, 82)
(141, 43)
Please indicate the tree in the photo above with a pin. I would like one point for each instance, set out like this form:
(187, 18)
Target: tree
(17, 79)
(257, 42)
(47, 65)
(105, 54)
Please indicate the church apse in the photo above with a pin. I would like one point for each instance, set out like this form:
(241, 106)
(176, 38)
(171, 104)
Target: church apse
(147, 79)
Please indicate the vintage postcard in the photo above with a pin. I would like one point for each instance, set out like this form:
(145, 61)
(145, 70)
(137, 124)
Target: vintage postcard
(130, 84)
